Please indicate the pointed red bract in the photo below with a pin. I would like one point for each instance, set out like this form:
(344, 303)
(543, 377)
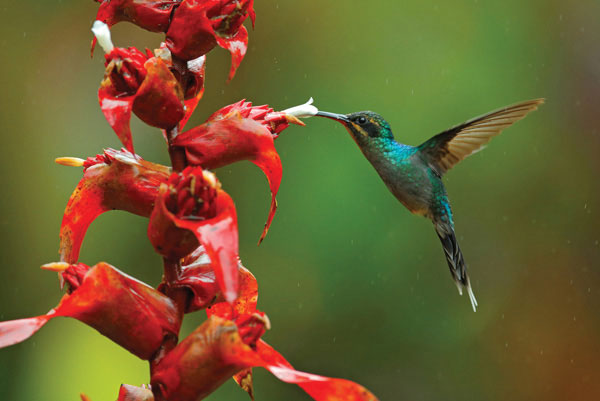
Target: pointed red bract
(237, 45)
(129, 312)
(117, 112)
(239, 132)
(199, 25)
(115, 180)
(194, 76)
(216, 350)
(320, 388)
(192, 210)
(123, 76)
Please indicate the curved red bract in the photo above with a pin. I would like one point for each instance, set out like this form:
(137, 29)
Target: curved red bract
(129, 312)
(175, 235)
(115, 180)
(239, 132)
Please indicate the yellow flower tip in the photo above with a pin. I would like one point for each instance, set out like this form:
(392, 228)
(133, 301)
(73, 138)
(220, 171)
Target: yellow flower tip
(294, 120)
(56, 266)
(211, 179)
(264, 319)
(69, 161)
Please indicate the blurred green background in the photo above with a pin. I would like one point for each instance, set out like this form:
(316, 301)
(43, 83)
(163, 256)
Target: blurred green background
(355, 286)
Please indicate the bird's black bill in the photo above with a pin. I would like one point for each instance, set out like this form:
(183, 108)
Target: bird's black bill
(333, 116)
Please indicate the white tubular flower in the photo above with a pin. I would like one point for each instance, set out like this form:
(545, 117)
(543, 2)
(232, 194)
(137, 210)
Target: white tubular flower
(102, 34)
(303, 111)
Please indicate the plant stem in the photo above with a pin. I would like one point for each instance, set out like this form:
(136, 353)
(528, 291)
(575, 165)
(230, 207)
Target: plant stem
(177, 155)
(172, 267)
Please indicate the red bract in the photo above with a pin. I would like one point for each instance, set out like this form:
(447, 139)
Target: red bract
(192, 210)
(318, 387)
(216, 350)
(153, 15)
(142, 84)
(198, 277)
(192, 77)
(129, 312)
(199, 25)
(240, 132)
(114, 180)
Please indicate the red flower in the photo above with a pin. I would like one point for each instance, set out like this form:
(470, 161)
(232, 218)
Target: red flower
(240, 132)
(114, 180)
(220, 347)
(199, 25)
(192, 210)
(129, 312)
(160, 93)
(193, 27)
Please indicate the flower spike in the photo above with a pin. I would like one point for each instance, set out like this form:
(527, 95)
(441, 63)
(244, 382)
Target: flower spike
(114, 180)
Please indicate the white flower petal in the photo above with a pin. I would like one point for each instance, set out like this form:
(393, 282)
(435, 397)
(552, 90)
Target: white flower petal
(102, 33)
(303, 111)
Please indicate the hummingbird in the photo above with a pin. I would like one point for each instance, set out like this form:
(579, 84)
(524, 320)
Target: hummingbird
(413, 174)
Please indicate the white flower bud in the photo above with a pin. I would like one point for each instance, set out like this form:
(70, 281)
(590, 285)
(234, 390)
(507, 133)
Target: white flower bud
(303, 111)
(102, 33)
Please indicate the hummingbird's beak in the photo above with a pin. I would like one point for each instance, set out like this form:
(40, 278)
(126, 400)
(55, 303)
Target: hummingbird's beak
(334, 116)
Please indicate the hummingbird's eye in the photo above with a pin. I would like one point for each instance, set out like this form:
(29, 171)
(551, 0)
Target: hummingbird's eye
(361, 120)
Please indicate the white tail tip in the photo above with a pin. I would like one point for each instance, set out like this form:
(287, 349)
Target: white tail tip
(472, 297)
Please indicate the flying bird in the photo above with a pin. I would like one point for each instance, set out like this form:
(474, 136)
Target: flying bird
(414, 173)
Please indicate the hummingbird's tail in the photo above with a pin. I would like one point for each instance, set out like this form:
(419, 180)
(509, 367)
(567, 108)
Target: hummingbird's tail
(456, 261)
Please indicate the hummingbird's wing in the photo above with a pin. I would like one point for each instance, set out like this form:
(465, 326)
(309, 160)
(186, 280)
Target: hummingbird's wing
(445, 150)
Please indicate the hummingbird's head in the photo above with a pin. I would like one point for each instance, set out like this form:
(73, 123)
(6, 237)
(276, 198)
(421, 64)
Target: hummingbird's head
(364, 126)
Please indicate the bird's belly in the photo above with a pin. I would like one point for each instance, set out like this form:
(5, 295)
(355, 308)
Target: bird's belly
(412, 191)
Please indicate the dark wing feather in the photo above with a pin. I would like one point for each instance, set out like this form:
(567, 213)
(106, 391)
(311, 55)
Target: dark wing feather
(445, 150)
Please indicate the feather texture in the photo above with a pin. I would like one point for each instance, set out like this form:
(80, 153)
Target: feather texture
(445, 150)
